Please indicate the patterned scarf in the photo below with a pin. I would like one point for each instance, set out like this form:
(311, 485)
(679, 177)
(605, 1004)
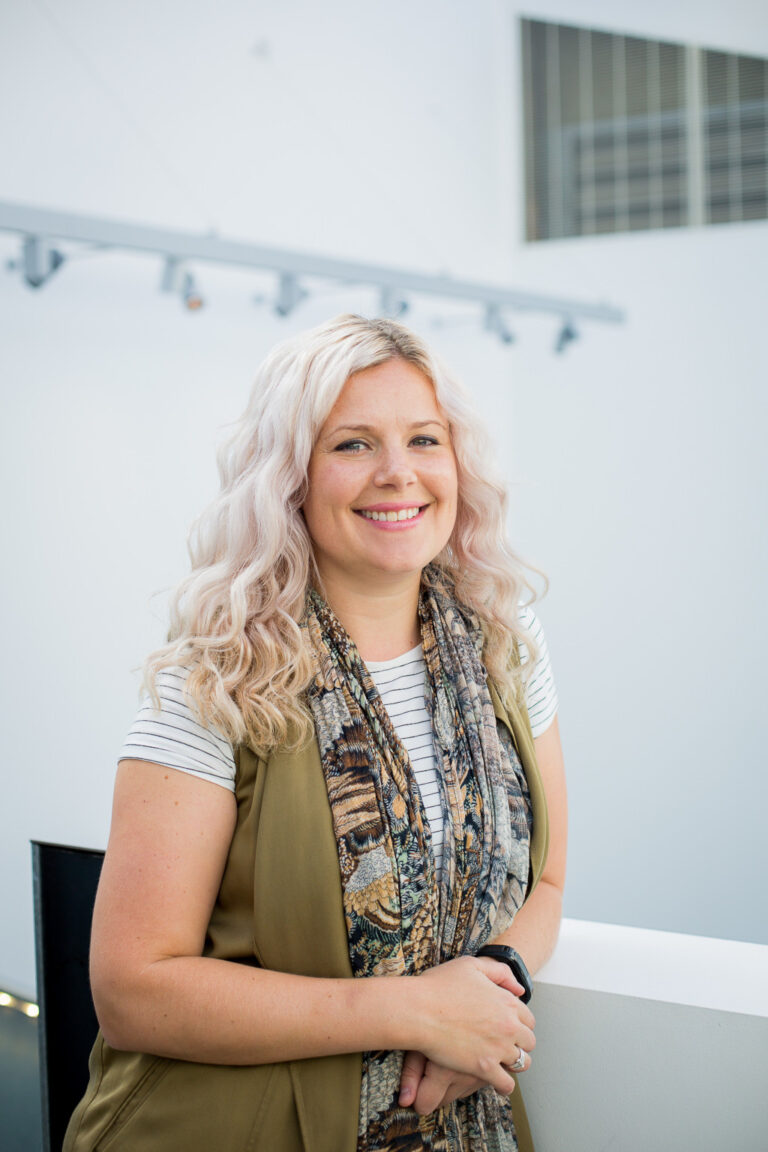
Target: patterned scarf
(399, 920)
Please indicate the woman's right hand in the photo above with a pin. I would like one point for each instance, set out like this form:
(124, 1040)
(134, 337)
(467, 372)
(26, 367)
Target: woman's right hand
(471, 1023)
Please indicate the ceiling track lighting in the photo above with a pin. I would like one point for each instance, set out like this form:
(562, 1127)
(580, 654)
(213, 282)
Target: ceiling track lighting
(494, 322)
(392, 304)
(193, 301)
(180, 282)
(40, 259)
(567, 334)
(169, 281)
(289, 294)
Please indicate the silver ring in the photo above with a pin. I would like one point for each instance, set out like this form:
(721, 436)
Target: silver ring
(519, 1064)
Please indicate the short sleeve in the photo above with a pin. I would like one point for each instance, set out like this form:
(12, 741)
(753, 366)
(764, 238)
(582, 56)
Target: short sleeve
(540, 691)
(174, 737)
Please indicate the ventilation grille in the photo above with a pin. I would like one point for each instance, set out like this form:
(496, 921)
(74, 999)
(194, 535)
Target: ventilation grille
(623, 134)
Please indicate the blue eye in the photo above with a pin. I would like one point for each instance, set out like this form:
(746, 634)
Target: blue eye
(351, 446)
(424, 441)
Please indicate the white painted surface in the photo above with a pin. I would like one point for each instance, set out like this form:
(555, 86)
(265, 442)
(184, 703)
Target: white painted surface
(621, 1074)
(384, 131)
(697, 971)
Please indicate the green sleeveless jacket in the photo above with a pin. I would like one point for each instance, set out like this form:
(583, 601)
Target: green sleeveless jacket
(279, 907)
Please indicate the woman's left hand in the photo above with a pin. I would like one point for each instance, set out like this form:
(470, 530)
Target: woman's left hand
(426, 1086)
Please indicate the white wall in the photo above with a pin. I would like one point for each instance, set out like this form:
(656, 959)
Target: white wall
(648, 1039)
(385, 131)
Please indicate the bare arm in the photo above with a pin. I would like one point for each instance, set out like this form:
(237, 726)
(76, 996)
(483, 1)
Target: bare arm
(535, 928)
(155, 992)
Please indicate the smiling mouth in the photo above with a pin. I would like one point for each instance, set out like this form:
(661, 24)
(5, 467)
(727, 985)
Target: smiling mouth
(392, 517)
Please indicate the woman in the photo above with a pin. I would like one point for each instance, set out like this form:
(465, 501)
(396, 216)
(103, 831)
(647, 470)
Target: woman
(335, 777)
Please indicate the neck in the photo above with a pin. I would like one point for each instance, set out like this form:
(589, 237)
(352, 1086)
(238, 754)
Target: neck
(382, 621)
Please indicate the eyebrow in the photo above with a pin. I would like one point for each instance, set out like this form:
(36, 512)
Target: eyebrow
(369, 428)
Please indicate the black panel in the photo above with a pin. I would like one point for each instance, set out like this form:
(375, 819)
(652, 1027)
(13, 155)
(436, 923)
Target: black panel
(65, 881)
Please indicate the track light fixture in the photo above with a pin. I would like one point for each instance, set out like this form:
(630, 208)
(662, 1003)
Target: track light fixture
(289, 294)
(181, 283)
(566, 335)
(494, 322)
(171, 271)
(190, 294)
(39, 261)
(392, 304)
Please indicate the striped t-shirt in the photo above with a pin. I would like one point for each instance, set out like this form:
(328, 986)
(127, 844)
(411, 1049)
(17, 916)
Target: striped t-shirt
(175, 738)
(401, 683)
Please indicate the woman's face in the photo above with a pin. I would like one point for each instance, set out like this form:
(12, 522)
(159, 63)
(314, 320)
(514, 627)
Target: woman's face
(382, 482)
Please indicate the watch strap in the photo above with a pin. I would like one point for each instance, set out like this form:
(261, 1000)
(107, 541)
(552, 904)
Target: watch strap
(515, 963)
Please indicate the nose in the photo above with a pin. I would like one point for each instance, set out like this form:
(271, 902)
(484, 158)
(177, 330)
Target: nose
(393, 468)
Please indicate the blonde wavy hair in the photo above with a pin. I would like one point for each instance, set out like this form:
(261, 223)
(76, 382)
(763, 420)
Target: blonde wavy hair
(236, 618)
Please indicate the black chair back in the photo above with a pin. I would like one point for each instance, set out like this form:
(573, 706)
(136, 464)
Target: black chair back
(65, 880)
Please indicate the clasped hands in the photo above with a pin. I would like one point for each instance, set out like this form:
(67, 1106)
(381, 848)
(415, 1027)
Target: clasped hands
(477, 1031)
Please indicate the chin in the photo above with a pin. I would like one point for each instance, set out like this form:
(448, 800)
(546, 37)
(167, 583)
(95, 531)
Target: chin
(399, 566)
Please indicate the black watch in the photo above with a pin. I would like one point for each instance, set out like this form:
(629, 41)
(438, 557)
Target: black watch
(514, 962)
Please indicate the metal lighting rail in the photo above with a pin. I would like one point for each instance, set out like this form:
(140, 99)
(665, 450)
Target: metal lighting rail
(41, 224)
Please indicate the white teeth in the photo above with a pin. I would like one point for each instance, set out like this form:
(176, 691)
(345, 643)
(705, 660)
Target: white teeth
(403, 514)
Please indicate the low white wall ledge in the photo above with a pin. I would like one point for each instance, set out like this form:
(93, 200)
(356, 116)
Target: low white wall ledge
(700, 971)
(649, 1042)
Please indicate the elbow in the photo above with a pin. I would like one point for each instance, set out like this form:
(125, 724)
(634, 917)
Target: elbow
(114, 1037)
(112, 1004)
(117, 1000)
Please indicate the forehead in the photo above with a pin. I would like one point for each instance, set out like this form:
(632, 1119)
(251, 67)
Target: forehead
(395, 388)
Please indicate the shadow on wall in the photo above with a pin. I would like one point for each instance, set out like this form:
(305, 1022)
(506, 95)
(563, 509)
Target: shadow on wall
(20, 1114)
